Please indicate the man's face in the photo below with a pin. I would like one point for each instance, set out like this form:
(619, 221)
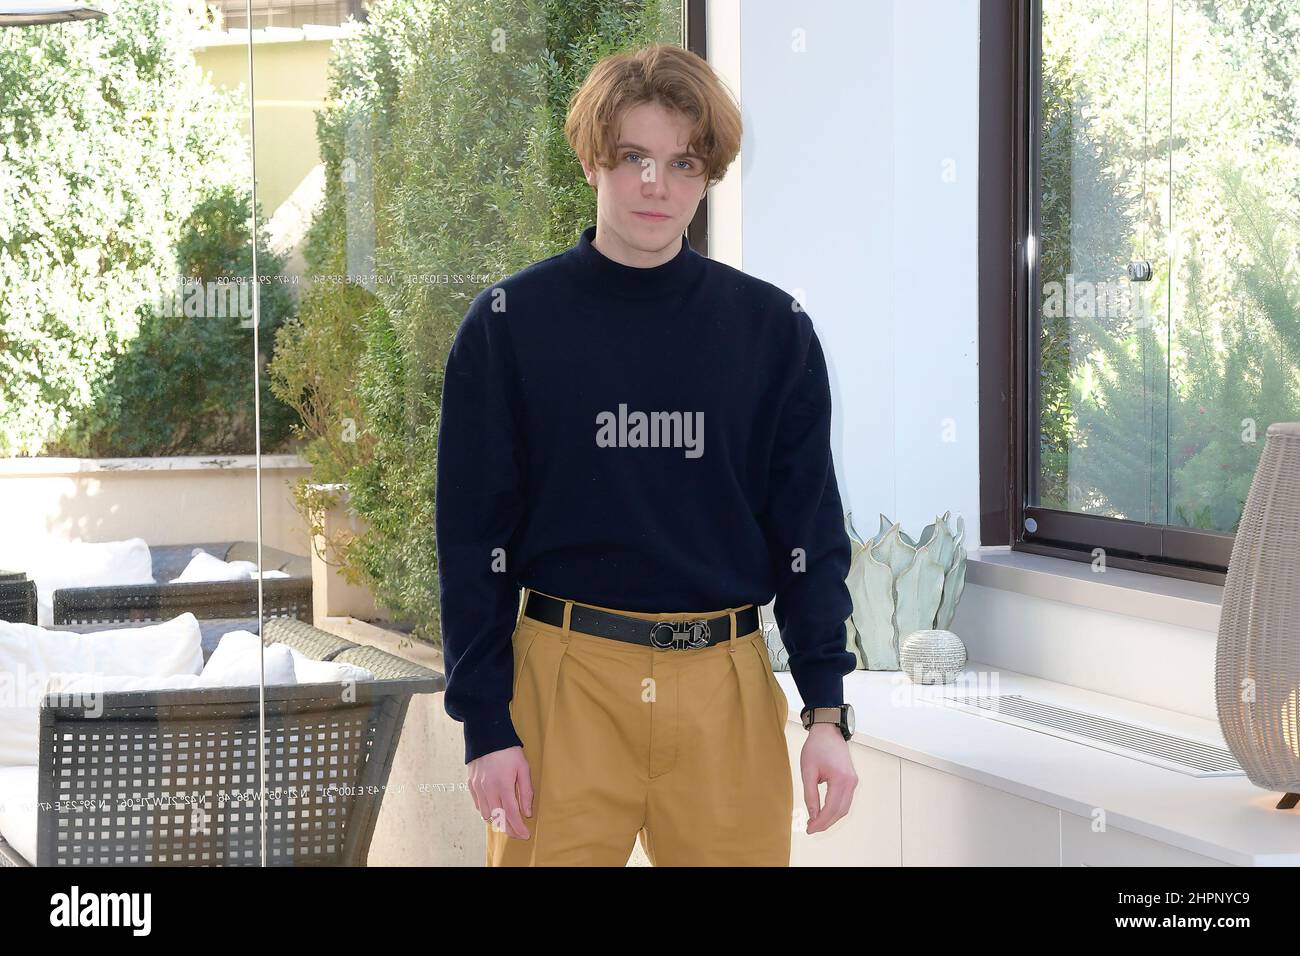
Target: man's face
(654, 172)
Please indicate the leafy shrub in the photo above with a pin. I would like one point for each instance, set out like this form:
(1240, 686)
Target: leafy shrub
(184, 384)
(110, 137)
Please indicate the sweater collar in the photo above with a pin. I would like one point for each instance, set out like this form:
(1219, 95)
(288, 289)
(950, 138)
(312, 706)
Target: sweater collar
(606, 275)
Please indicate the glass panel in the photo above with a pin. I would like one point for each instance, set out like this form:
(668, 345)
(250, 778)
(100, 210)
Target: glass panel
(1103, 195)
(127, 430)
(1153, 407)
(313, 747)
(403, 164)
(1236, 215)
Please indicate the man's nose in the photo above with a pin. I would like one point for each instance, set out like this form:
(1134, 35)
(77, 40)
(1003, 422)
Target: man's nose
(654, 184)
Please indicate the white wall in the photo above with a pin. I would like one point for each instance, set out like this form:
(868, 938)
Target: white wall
(859, 196)
(173, 500)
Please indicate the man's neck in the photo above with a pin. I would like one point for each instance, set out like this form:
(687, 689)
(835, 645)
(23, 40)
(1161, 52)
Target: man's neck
(609, 244)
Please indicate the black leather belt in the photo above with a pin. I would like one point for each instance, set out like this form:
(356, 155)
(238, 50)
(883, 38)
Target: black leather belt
(666, 635)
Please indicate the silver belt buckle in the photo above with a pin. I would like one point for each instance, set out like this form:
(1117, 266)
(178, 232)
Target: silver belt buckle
(680, 635)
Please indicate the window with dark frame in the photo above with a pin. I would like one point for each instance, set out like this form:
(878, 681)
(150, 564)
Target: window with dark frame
(695, 39)
(1140, 303)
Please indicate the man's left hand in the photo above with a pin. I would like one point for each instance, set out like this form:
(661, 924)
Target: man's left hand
(825, 759)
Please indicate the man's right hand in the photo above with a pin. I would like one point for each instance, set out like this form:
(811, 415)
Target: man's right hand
(493, 779)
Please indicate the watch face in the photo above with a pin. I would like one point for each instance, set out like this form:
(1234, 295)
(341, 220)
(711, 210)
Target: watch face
(848, 718)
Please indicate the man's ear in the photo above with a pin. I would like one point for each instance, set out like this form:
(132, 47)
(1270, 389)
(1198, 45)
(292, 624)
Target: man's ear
(589, 173)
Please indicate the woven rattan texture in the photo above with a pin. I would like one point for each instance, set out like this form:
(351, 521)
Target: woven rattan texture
(1257, 664)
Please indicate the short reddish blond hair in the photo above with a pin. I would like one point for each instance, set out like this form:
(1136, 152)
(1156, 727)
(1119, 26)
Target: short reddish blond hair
(669, 75)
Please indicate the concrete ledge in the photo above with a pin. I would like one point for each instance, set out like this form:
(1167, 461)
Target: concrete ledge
(77, 466)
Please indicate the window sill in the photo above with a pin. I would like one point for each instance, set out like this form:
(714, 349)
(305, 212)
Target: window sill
(1153, 597)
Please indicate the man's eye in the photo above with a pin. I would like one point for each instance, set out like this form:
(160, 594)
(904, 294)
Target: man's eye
(688, 165)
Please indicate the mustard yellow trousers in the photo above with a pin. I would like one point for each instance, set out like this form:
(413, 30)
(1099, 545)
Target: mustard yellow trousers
(684, 748)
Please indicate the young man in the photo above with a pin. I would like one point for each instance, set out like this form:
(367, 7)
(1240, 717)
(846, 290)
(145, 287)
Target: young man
(640, 438)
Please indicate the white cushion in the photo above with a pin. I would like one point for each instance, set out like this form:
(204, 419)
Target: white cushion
(235, 666)
(29, 655)
(239, 661)
(251, 568)
(85, 564)
(311, 671)
(79, 685)
(18, 810)
(208, 567)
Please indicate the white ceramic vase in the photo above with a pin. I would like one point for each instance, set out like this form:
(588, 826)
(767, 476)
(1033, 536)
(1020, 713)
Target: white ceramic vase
(900, 586)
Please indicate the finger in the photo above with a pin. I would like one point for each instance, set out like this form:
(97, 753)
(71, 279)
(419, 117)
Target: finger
(526, 790)
(839, 795)
(480, 801)
(496, 818)
(838, 792)
(497, 815)
(811, 793)
(514, 821)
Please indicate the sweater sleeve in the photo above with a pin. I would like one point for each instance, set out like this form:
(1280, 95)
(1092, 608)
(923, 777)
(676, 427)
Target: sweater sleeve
(804, 512)
(478, 505)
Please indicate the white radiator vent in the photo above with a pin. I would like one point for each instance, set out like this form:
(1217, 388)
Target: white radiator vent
(1193, 757)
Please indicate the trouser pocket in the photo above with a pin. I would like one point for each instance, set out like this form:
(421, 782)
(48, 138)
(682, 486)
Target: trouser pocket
(779, 699)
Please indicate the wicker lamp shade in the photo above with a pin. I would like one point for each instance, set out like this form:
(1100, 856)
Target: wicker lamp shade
(1257, 660)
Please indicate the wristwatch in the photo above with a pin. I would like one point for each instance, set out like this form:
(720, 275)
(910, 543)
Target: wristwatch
(841, 716)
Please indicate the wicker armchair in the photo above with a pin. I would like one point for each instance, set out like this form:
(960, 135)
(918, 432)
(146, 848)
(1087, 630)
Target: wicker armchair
(171, 777)
(282, 597)
(17, 598)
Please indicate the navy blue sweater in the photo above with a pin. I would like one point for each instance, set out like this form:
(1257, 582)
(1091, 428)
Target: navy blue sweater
(554, 472)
